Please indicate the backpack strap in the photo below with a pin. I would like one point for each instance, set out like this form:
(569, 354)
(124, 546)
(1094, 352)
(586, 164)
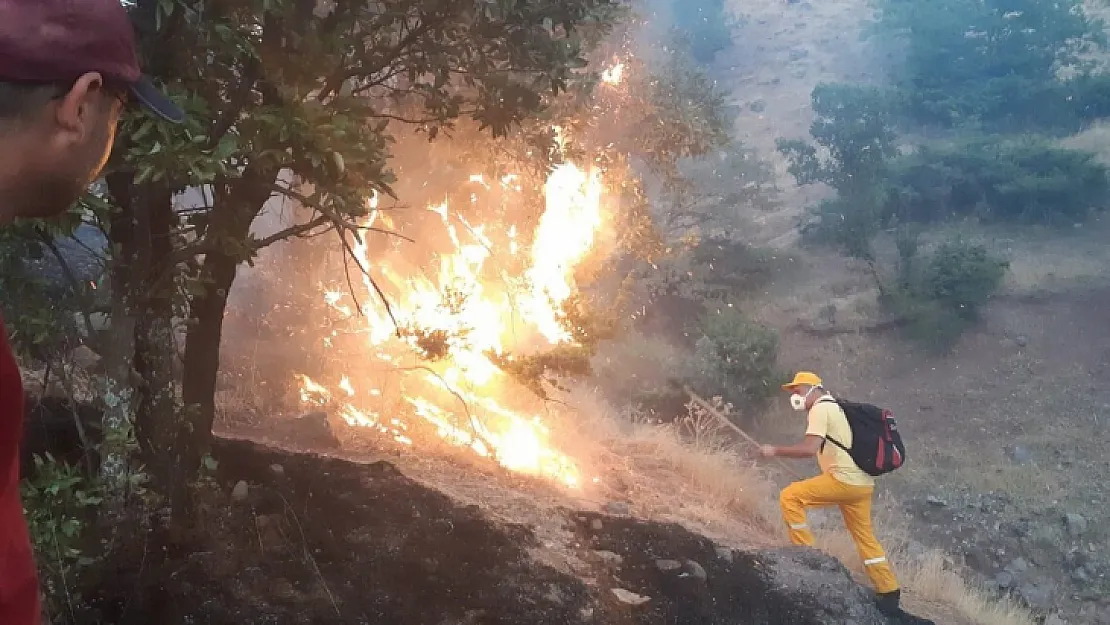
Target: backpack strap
(827, 399)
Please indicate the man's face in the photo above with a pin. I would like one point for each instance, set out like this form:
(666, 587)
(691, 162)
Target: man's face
(72, 139)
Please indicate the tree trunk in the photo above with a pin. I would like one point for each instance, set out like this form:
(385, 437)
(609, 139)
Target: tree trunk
(235, 207)
(117, 385)
(139, 388)
(158, 411)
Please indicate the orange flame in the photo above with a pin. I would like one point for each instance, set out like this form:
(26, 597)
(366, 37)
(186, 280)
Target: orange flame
(613, 75)
(454, 322)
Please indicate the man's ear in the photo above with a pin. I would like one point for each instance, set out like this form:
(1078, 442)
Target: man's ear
(76, 107)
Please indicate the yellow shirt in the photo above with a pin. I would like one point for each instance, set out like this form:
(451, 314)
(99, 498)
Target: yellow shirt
(827, 420)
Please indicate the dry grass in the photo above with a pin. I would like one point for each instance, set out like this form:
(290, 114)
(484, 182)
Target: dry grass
(694, 473)
(690, 471)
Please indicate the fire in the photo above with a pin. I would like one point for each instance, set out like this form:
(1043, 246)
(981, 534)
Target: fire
(613, 75)
(481, 300)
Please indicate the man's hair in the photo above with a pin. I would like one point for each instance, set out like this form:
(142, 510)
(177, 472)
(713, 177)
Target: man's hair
(20, 100)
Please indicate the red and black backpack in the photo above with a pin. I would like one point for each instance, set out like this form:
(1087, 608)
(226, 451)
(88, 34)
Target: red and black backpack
(877, 446)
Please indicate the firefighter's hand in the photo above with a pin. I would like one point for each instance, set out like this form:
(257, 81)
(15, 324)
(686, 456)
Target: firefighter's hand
(767, 451)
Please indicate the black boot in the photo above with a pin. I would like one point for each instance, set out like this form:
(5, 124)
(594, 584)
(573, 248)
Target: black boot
(888, 602)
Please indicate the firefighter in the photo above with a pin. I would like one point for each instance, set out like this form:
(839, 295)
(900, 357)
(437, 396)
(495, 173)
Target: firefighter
(841, 483)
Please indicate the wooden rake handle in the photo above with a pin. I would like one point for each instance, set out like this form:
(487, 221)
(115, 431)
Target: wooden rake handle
(726, 421)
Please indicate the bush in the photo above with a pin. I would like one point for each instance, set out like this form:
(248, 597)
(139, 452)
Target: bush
(735, 358)
(712, 269)
(1029, 181)
(58, 501)
(995, 65)
(731, 357)
(941, 298)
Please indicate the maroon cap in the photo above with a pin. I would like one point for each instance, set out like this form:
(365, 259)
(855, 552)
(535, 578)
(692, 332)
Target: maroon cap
(60, 40)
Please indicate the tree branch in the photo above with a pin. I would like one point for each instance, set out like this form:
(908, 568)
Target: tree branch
(350, 253)
(336, 82)
(340, 223)
(292, 231)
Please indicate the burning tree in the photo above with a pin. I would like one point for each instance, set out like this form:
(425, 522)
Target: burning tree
(295, 99)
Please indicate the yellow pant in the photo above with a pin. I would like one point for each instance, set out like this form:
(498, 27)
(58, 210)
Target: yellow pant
(855, 505)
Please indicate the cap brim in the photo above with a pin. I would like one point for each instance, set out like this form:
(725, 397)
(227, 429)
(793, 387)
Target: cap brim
(156, 102)
(790, 387)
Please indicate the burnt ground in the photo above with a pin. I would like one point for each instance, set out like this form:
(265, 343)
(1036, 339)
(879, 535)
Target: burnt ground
(688, 579)
(321, 540)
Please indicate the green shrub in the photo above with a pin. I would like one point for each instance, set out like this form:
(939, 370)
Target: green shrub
(993, 64)
(940, 298)
(58, 501)
(736, 358)
(1028, 181)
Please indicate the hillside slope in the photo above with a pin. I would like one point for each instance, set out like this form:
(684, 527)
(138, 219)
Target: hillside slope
(309, 539)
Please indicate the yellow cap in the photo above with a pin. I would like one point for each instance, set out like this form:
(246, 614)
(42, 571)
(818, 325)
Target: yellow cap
(801, 378)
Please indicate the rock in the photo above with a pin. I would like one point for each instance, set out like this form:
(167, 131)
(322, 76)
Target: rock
(1021, 340)
(1076, 524)
(617, 508)
(1054, 619)
(629, 598)
(725, 554)
(1035, 596)
(277, 470)
(596, 525)
(1004, 579)
(85, 358)
(695, 570)
(241, 490)
(668, 565)
(1019, 565)
(1020, 454)
(758, 106)
(936, 501)
(798, 54)
(609, 559)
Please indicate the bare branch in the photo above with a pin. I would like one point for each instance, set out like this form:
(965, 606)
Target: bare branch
(340, 223)
(370, 279)
(292, 231)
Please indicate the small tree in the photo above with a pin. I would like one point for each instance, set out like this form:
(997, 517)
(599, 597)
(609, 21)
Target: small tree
(854, 143)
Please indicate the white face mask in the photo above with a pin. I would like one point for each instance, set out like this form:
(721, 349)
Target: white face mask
(798, 402)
